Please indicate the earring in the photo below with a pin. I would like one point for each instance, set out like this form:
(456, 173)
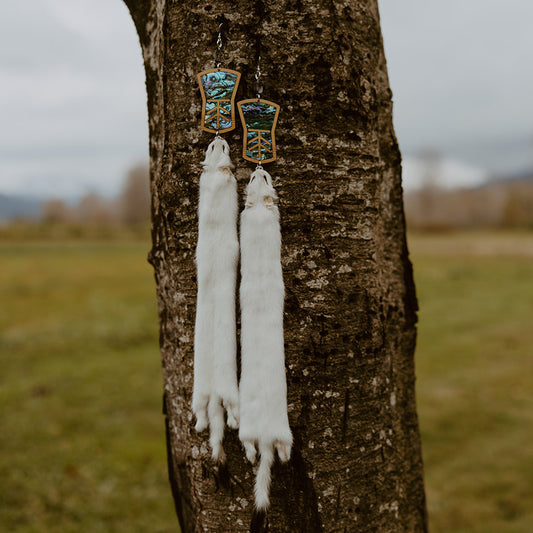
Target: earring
(262, 390)
(259, 118)
(217, 252)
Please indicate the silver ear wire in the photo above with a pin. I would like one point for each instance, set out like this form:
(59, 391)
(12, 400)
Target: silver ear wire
(218, 51)
(258, 86)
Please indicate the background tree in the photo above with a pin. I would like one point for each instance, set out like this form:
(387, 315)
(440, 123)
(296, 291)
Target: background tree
(134, 201)
(94, 209)
(56, 211)
(350, 301)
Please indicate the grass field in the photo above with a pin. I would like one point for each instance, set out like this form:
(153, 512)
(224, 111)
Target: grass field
(82, 442)
(475, 380)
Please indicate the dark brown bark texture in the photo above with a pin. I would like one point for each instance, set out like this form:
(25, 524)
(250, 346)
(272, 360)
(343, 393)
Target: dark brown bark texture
(350, 314)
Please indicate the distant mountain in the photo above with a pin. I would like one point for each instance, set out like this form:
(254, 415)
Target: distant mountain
(12, 207)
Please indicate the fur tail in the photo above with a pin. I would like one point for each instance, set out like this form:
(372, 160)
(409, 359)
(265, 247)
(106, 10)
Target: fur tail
(262, 479)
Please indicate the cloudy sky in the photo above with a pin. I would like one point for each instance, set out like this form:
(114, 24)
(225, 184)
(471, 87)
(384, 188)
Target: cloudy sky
(72, 100)
(72, 96)
(461, 73)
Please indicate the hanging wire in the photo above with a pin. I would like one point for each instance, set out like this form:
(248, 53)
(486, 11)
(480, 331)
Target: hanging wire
(259, 92)
(218, 51)
(258, 74)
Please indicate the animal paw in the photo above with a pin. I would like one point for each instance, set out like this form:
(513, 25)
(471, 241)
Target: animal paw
(284, 450)
(251, 452)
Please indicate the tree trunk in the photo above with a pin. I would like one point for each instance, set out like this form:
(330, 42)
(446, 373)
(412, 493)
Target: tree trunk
(350, 310)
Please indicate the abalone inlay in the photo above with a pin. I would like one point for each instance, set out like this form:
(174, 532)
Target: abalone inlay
(218, 87)
(259, 119)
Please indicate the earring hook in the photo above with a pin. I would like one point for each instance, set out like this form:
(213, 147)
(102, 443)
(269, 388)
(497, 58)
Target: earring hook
(258, 74)
(218, 52)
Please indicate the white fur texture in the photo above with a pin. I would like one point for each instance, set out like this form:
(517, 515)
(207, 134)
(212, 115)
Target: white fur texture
(263, 389)
(217, 253)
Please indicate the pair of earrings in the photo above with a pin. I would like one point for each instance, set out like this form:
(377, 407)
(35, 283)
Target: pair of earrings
(259, 117)
(257, 405)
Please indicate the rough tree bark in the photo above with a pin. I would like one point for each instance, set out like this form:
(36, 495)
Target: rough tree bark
(350, 301)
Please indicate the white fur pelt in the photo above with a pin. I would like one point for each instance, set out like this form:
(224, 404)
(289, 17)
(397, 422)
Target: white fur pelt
(263, 389)
(217, 253)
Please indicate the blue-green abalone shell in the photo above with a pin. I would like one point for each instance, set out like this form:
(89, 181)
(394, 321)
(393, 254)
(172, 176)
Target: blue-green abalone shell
(224, 109)
(256, 151)
(219, 84)
(258, 115)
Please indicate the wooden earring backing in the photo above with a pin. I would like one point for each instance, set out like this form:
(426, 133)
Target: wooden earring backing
(218, 88)
(259, 118)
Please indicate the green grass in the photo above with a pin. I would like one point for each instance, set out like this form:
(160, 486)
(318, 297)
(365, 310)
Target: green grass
(475, 380)
(82, 436)
(82, 439)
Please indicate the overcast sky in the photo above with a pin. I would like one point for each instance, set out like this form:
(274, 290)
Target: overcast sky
(462, 77)
(73, 103)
